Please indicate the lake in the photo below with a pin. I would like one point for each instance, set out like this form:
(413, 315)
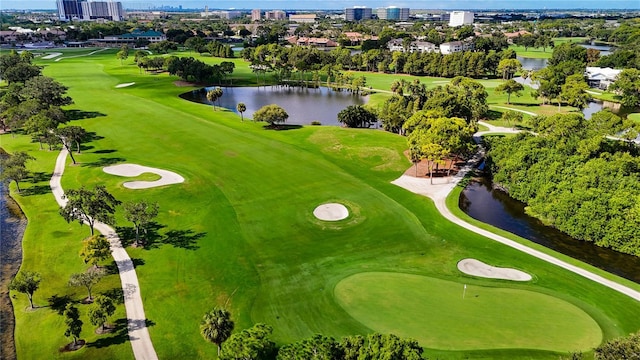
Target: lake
(492, 206)
(303, 105)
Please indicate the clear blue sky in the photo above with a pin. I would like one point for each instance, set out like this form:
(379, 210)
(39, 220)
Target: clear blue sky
(339, 4)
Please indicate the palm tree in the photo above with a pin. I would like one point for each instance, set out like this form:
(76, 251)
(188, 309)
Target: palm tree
(219, 93)
(212, 96)
(216, 326)
(241, 107)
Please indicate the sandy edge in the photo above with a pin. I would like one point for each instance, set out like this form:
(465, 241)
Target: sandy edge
(331, 212)
(478, 268)
(124, 85)
(131, 170)
(51, 56)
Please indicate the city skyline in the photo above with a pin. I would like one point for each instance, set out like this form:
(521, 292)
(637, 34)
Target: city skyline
(340, 4)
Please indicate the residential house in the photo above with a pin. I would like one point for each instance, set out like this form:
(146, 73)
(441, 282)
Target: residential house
(601, 78)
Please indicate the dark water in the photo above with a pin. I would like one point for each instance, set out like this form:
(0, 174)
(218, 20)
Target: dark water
(495, 207)
(12, 224)
(532, 64)
(302, 104)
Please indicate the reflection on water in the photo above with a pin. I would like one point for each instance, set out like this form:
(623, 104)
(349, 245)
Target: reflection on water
(531, 63)
(495, 207)
(303, 105)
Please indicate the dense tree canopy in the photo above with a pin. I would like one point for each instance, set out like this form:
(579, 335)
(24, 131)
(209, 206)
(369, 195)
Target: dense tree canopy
(89, 205)
(272, 114)
(356, 116)
(574, 177)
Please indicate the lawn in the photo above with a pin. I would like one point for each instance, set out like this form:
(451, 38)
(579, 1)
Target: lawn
(240, 231)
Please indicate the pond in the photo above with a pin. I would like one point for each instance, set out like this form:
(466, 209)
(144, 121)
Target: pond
(531, 63)
(492, 206)
(303, 105)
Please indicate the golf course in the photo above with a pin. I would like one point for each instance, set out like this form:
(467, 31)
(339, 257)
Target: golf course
(236, 228)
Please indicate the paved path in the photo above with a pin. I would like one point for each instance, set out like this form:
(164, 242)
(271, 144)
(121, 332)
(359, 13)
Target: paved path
(441, 188)
(136, 320)
(514, 109)
(76, 56)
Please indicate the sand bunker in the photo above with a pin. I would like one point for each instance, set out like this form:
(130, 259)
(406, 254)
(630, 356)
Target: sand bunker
(133, 170)
(51, 56)
(124, 85)
(478, 268)
(331, 212)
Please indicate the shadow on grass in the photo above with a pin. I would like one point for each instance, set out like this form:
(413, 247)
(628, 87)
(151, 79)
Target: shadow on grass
(103, 161)
(119, 335)
(494, 115)
(282, 127)
(38, 176)
(184, 239)
(59, 303)
(124, 266)
(152, 239)
(80, 114)
(35, 190)
(115, 294)
(108, 151)
(148, 237)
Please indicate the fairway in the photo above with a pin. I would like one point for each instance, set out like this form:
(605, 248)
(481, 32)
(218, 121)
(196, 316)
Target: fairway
(240, 232)
(433, 312)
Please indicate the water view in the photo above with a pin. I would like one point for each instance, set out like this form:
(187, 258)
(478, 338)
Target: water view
(303, 105)
(492, 206)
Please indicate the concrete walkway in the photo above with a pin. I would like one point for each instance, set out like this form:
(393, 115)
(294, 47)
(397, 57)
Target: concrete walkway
(442, 187)
(77, 56)
(136, 320)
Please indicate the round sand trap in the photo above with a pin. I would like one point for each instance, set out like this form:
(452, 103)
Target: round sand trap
(331, 212)
(133, 170)
(124, 85)
(478, 268)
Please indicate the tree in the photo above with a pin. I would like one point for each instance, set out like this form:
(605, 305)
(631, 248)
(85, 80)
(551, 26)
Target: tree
(620, 348)
(249, 344)
(86, 279)
(512, 117)
(435, 154)
(241, 107)
(212, 96)
(123, 54)
(14, 167)
(26, 282)
(101, 310)
(271, 114)
(73, 323)
(510, 87)
(216, 326)
(628, 86)
(356, 116)
(46, 91)
(574, 91)
(508, 67)
(95, 249)
(69, 135)
(89, 206)
(140, 213)
(318, 347)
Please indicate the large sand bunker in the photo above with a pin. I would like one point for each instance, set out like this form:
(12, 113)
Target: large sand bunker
(51, 56)
(125, 85)
(331, 212)
(478, 268)
(133, 170)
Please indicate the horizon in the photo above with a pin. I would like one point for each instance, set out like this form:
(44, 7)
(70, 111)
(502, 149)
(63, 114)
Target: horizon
(507, 5)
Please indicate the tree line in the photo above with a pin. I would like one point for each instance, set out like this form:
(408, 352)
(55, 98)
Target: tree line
(580, 176)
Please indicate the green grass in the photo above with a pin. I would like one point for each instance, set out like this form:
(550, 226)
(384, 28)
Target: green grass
(240, 232)
(531, 52)
(635, 117)
(434, 312)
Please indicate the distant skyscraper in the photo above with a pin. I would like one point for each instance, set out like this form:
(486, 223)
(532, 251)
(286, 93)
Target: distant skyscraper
(275, 15)
(255, 15)
(357, 13)
(459, 18)
(69, 9)
(393, 13)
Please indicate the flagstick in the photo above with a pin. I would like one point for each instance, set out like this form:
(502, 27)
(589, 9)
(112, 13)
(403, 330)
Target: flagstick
(464, 291)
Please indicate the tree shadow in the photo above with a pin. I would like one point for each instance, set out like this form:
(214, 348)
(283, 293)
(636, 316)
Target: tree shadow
(184, 239)
(494, 115)
(149, 238)
(119, 335)
(35, 190)
(103, 161)
(72, 115)
(59, 303)
(38, 176)
(123, 265)
(108, 151)
(282, 127)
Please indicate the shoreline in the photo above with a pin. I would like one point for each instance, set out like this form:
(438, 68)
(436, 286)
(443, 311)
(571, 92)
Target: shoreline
(14, 223)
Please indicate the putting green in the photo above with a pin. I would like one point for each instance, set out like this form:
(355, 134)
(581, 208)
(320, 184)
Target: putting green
(433, 312)
(635, 117)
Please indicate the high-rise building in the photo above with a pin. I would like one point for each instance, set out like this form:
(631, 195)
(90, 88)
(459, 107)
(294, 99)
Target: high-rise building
(89, 10)
(357, 13)
(275, 15)
(69, 9)
(459, 18)
(393, 13)
(255, 15)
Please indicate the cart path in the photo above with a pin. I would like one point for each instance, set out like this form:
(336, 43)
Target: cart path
(136, 319)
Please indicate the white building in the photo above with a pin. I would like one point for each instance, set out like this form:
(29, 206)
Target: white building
(414, 46)
(601, 77)
(459, 18)
(455, 46)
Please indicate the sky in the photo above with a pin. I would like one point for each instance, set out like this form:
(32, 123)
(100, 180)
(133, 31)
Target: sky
(340, 4)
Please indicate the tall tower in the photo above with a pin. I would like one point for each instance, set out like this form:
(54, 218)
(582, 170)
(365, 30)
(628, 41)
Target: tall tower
(69, 9)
